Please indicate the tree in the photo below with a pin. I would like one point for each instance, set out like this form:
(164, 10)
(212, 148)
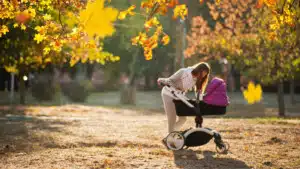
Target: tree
(271, 51)
(35, 33)
(153, 32)
(270, 56)
(257, 40)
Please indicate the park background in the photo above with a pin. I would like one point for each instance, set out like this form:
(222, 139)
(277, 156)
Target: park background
(91, 115)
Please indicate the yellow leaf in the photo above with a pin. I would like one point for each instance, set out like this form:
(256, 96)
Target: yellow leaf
(73, 61)
(39, 38)
(4, 29)
(116, 58)
(246, 148)
(180, 10)
(122, 15)
(253, 93)
(47, 17)
(135, 40)
(31, 12)
(130, 10)
(12, 69)
(141, 38)
(159, 29)
(21, 59)
(46, 50)
(258, 93)
(16, 25)
(71, 19)
(165, 40)
(47, 60)
(97, 19)
(148, 53)
(151, 22)
(23, 27)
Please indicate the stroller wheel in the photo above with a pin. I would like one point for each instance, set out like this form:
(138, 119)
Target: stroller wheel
(175, 140)
(222, 148)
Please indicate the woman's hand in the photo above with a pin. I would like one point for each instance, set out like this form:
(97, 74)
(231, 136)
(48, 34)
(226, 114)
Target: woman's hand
(159, 82)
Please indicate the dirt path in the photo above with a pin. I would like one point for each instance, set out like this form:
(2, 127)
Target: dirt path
(96, 137)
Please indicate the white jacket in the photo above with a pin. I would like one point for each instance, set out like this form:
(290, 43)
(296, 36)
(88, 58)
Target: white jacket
(182, 79)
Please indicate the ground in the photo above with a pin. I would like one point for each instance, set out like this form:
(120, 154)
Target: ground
(76, 136)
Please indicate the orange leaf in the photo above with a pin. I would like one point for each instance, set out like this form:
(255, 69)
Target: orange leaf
(148, 53)
(270, 2)
(173, 3)
(130, 10)
(259, 3)
(163, 10)
(201, 1)
(165, 40)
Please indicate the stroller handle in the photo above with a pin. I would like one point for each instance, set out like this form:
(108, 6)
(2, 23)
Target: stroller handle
(164, 84)
(177, 94)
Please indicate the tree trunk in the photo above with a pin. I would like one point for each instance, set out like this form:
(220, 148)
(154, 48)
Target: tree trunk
(12, 87)
(280, 97)
(128, 91)
(128, 94)
(179, 46)
(154, 79)
(89, 71)
(292, 91)
(147, 81)
(22, 89)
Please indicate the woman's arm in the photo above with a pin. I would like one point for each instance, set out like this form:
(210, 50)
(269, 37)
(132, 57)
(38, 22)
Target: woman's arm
(173, 79)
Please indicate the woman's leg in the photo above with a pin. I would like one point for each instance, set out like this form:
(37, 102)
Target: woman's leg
(170, 110)
(180, 122)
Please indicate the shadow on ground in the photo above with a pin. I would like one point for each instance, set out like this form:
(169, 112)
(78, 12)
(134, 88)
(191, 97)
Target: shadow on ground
(22, 133)
(189, 159)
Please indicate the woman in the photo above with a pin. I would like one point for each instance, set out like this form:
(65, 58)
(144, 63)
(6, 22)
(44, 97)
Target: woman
(184, 79)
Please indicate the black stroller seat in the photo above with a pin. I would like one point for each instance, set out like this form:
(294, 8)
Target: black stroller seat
(200, 109)
(205, 109)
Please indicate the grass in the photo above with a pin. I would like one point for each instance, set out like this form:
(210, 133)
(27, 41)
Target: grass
(277, 121)
(103, 137)
(112, 98)
(149, 102)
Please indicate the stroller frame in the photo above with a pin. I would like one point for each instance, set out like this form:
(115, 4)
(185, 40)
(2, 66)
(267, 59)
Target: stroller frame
(190, 137)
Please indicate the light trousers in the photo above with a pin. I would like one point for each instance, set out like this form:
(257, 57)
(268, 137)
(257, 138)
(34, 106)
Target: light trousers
(170, 111)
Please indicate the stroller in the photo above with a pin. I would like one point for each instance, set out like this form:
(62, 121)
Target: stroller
(198, 136)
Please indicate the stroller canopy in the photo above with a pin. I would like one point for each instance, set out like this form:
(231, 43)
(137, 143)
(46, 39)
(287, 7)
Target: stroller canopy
(216, 93)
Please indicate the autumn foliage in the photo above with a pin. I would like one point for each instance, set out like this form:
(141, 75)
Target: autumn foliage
(153, 34)
(71, 28)
(54, 31)
(261, 39)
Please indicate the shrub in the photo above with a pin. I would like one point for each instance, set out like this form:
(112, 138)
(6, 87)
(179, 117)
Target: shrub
(43, 89)
(76, 91)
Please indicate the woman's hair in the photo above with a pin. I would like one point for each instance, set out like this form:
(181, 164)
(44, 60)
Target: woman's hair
(197, 69)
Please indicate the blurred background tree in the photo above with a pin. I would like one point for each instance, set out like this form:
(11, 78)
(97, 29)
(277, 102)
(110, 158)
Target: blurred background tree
(36, 33)
(253, 39)
(64, 44)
